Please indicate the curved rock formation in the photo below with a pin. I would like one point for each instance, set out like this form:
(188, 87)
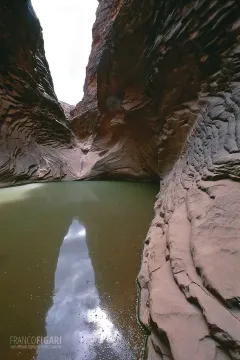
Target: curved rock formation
(161, 99)
(117, 120)
(36, 141)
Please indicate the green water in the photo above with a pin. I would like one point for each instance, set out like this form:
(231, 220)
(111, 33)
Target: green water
(69, 257)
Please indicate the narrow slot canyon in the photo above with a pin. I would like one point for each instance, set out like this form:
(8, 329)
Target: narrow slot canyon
(88, 263)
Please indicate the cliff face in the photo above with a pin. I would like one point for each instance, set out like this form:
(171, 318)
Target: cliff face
(35, 138)
(67, 109)
(150, 63)
(161, 99)
(117, 119)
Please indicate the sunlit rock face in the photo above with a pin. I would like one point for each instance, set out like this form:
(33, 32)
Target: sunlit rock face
(162, 97)
(67, 109)
(35, 138)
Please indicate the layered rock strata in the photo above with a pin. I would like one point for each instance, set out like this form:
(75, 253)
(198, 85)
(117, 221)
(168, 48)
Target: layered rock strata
(67, 109)
(161, 100)
(36, 142)
(162, 97)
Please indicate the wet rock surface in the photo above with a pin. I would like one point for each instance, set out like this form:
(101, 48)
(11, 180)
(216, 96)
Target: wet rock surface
(161, 99)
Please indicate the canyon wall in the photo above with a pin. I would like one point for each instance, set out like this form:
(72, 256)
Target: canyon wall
(161, 100)
(36, 141)
(162, 97)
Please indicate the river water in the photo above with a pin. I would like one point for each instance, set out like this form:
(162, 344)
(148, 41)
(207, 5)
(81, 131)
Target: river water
(69, 256)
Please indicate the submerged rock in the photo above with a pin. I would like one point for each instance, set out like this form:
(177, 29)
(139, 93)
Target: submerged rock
(161, 100)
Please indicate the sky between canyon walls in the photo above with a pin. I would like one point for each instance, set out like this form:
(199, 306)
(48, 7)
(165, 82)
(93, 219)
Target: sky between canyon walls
(67, 30)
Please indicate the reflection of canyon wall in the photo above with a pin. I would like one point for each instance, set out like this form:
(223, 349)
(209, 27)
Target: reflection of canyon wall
(76, 316)
(161, 99)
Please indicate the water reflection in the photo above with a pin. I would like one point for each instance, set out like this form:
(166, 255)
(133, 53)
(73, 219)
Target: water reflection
(87, 330)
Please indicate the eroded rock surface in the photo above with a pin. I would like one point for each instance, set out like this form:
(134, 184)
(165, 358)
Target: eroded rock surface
(161, 99)
(67, 109)
(36, 141)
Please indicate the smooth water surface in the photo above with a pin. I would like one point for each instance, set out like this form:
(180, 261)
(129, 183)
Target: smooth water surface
(69, 256)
